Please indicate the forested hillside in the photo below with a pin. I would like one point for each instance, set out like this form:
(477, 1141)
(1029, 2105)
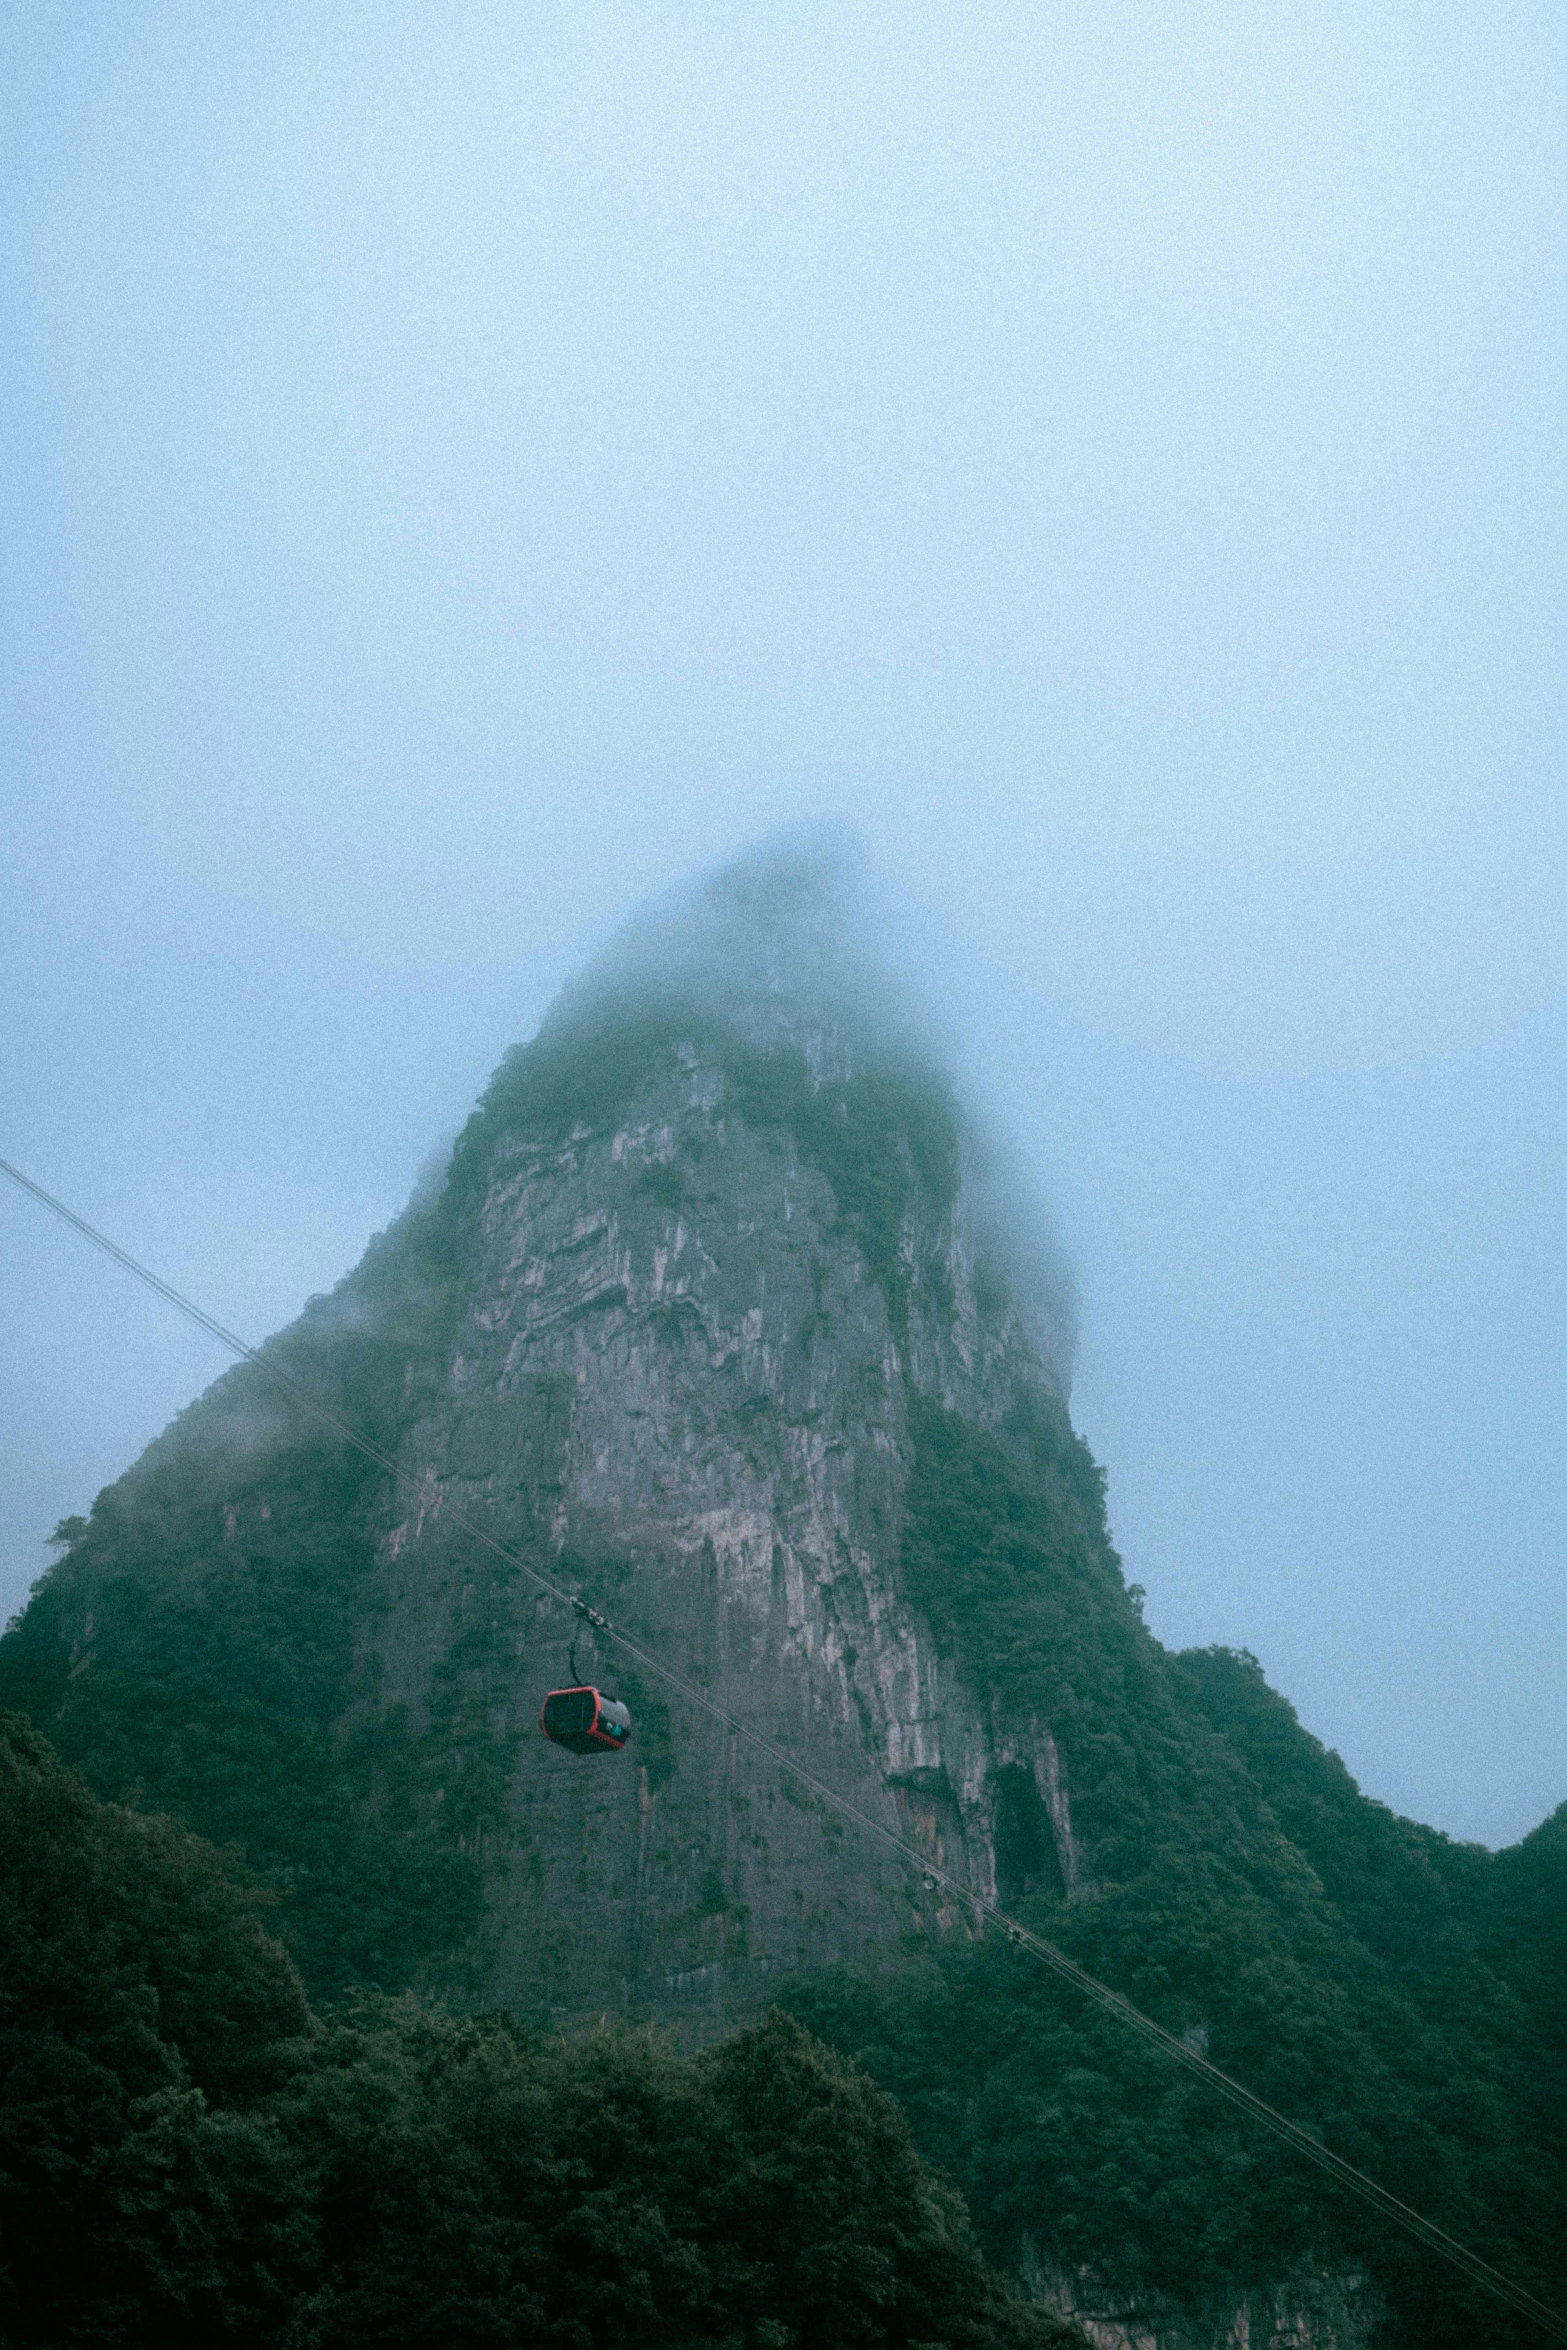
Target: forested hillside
(190, 2156)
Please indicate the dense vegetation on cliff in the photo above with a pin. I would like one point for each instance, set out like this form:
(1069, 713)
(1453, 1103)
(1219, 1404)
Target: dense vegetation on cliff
(189, 2155)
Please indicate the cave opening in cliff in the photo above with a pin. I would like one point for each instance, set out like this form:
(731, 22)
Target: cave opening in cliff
(1026, 1858)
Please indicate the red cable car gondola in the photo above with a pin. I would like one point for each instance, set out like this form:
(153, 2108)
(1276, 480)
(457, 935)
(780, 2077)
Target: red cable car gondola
(584, 1721)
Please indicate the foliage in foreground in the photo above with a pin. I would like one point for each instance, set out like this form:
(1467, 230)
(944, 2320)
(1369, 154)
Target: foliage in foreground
(189, 2155)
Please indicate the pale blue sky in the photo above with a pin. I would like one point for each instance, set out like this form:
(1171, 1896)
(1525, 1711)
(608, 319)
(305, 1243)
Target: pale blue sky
(466, 465)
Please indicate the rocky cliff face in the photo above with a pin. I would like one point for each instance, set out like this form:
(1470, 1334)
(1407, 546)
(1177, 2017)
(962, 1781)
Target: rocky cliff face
(690, 1334)
(706, 1244)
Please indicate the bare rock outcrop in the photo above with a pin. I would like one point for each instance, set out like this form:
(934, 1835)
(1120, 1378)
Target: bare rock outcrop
(682, 1373)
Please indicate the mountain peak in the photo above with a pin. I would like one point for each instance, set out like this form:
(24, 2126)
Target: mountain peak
(787, 943)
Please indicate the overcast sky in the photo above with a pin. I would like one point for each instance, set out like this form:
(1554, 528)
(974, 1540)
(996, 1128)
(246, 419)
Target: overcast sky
(467, 465)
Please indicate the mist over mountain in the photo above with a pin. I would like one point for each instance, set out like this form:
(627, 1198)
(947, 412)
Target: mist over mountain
(786, 944)
(793, 945)
(722, 1314)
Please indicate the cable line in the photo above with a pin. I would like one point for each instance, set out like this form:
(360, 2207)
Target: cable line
(1293, 2134)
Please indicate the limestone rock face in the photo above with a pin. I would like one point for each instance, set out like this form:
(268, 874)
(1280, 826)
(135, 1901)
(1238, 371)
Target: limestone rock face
(680, 1380)
(1309, 2311)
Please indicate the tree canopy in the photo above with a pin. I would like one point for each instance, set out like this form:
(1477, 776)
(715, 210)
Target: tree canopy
(189, 2155)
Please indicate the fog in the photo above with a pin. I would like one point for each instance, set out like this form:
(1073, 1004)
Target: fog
(467, 467)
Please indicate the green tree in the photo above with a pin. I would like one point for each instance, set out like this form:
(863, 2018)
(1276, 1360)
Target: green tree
(144, 2018)
(188, 2156)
